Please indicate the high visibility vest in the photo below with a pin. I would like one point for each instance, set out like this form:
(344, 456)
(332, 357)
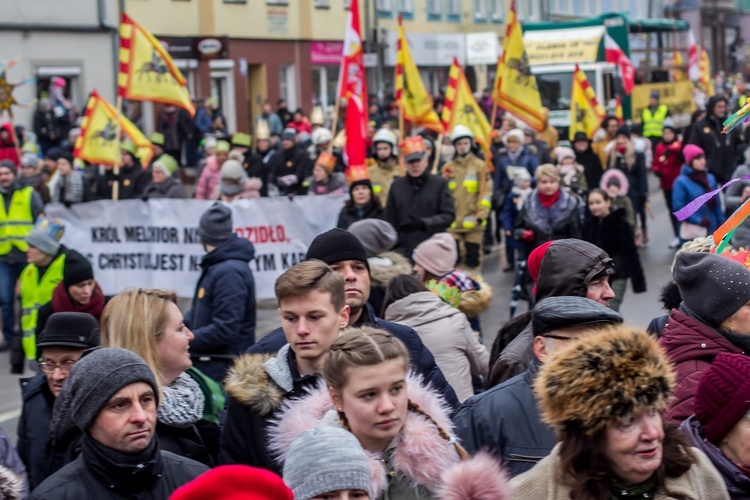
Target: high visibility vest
(653, 124)
(18, 222)
(34, 294)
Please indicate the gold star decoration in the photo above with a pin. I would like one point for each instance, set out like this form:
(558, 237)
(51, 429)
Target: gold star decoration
(7, 101)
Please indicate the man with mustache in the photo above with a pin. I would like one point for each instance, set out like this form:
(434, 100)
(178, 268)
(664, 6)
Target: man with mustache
(113, 399)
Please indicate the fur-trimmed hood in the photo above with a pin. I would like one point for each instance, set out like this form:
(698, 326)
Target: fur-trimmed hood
(386, 266)
(422, 456)
(474, 302)
(12, 484)
(260, 381)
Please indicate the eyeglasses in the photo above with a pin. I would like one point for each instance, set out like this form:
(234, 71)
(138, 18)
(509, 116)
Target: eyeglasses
(64, 367)
(558, 337)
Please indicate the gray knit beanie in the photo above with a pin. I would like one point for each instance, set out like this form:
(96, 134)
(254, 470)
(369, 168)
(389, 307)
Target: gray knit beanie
(712, 287)
(215, 226)
(323, 460)
(97, 376)
(377, 236)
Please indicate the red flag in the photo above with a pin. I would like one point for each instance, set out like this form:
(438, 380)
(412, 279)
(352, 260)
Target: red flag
(694, 58)
(615, 55)
(353, 88)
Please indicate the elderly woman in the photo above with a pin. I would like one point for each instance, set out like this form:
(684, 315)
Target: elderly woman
(721, 422)
(604, 395)
(164, 184)
(149, 323)
(324, 180)
(549, 213)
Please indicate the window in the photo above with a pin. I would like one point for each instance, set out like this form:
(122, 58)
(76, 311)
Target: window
(277, 2)
(384, 7)
(406, 7)
(287, 85)
(322, 4)
(454, 10)
(480, 10)
(347, 4)
(434, 9)
(496, 10)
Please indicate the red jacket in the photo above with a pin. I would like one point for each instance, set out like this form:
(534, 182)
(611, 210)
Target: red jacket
(303, 126)
(8, 149)
(668, 161)
(692, 346)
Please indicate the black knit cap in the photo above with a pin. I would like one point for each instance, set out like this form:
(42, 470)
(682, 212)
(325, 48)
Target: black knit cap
(336, 245)
(623, 130)
(77, 269)
(70, 329)
(580, 136)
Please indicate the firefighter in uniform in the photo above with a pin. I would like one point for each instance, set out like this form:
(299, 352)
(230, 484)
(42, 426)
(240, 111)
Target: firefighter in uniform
(385, 166)
(471, 185)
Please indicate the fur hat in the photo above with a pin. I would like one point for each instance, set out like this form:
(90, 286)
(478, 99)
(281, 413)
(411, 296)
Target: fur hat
(602, 378)
(516, 134)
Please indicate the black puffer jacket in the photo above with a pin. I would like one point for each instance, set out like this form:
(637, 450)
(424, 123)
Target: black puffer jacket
(133, 183)
(614, 235)
(199, 442)
(721, 149)
(592, 166)
(505, 421)
(33, 427)
(350, 214)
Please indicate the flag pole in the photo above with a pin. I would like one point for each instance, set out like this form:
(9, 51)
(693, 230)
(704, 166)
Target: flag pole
(118, 153)
(335, 123)
(401, 167)
(437, 145)
(493, 114)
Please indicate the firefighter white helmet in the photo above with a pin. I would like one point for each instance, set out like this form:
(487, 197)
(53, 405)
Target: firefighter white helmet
(385, 135)
(321, 135)
(460, 132)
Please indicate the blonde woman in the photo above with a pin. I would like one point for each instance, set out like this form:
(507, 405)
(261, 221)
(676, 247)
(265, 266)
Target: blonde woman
(149, 323)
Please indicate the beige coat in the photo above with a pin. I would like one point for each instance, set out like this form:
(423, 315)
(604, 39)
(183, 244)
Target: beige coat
(465, 185)
(544, 481)
(447, 334)
(382, 174)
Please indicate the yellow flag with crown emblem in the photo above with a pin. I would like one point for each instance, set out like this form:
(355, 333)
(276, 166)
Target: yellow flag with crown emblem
(586, 114)
(147, 72)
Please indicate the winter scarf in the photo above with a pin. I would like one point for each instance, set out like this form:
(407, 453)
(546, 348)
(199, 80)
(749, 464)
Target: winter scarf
(30, 181)
(514, 156)
(549, 200)
(701, 177)
(128, 474)
(183, 402)
(522, 195)
(70, 190)
(61, 302)
(228, 189)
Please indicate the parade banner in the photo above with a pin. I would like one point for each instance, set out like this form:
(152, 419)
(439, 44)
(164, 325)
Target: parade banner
(155, 244)
(678, 96)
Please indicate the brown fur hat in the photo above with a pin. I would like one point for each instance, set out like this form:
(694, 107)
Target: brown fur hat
(602, 378)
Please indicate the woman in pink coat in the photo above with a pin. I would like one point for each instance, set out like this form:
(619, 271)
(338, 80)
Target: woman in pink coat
(208, 184)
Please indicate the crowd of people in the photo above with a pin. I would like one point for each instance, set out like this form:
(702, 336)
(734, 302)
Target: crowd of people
(379, 383)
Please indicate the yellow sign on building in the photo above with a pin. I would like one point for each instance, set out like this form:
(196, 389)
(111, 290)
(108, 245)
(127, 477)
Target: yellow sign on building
(573, 46)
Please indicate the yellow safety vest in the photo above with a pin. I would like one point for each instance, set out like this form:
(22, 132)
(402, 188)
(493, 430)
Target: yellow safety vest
(653, 124)
(34, 294)
(18, 222)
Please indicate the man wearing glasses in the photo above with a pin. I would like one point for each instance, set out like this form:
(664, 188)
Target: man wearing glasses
(65, 337)
(505, 419)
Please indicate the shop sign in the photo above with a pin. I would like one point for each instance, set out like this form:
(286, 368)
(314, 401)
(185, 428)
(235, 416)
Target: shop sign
(326, 52)
(429, 49)
(200, 48)
(567, 46)
(481, 48)
(278, 21)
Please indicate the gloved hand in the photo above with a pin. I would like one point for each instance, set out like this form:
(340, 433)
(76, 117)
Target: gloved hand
(658, 173)
(413, 225)
(705, 222)
(527, 236)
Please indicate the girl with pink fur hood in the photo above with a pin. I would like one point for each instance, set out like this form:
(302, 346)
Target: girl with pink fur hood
(403, 426)
(210, 177)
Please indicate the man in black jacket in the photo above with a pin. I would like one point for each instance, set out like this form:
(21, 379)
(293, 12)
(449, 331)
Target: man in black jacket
(505, 420)
(345, 254)
(292, 167)
(721, 150)
(419, 204)
(112, 396)
(313, 309)
(65, 336)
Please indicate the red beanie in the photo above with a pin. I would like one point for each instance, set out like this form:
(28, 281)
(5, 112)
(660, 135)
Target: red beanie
(534, 262)
(723, 395)
(235, 482)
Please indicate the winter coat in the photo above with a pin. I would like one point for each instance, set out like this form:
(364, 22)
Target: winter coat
(621, 201)
(668, 161)
(733, 200)
(70, 189)
(13, 481)
(425, 198)
(546, 480)
(475, 302)
(133, 182)
(175, 126)
(382, 174)
(686, 190)
(383, 268)
(78, 480)
(46, 126)
(300, 126)
(199, 441)
(209, 180)
(540, 150)
(721, 149)
(33, 427)
(256, 167)
(737, 483)
(592, 166)
(292, 162)
(633, 164)
(170, 188)
(561, 220)
(614, 235)
(222, 316)
(336, 185)
(465, 184)
(503, 161)
(8, 149)
(514, 359)
(257, 385)
(350, 215)
(250, 190)
(447, 333)
(420, 357)
(413, 466)
(691, 346)
(573, 178)
(505, 420)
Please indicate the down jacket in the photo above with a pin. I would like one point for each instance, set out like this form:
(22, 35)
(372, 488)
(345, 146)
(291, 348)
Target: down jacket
(692, 346)
(33, 427)
(421, 358)
(415, 464)
(447, 333)
(561, 220)
(546, 481)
